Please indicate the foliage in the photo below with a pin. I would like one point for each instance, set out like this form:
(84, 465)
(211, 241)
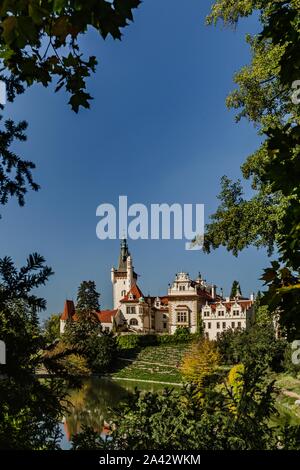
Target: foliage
(87, 298)
(255, 343)
(87, 338)
(235, 289)
(67, 359)
(30, 408)
(264, 96)
(52, 328)
(39, 43)
(182, 333)
(178, 420)
(136, 341)
(200, 364)
(236, 384)
(128, 341)
(14, 184)
(289, 366)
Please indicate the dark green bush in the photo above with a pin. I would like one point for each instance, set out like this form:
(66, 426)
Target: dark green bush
(128, 341)
(135, 341)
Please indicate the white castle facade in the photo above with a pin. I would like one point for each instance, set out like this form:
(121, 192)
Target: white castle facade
(188, 303)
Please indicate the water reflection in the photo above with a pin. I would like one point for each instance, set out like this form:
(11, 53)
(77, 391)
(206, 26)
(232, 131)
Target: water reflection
(91, 405)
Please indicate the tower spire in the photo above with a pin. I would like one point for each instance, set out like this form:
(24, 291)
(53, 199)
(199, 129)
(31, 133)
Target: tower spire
(124, 253)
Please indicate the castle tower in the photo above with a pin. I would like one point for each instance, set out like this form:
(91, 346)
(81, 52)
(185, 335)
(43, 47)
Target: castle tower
(124, 277)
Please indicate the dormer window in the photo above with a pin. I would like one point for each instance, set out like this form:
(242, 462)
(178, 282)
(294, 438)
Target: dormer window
(221, 313)
(236, 313)
(181, 287)
(130, 296)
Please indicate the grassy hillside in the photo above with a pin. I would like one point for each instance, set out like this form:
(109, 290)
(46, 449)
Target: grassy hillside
(153, 363)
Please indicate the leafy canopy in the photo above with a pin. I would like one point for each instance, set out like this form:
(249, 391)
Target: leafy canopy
(264, 97)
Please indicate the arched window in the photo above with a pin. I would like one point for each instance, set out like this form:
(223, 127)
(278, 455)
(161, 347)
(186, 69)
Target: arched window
(123, 293)
(133, 322)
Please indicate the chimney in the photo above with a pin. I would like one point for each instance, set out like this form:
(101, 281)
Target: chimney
(213, 291)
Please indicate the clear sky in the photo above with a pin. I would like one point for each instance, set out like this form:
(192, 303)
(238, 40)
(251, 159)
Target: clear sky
(158, 131)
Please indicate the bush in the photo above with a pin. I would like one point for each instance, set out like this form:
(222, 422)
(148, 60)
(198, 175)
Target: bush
(101, 352)
(256, 343)
(182, 333)
(135, 341)
(128, 341)
(289, 366)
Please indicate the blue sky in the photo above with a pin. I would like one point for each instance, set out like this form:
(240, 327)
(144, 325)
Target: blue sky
(158, 131)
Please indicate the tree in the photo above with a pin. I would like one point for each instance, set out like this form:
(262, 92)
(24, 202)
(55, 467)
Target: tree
(264, 96)
(52, 328)
(182, 333)
(255, 344)
(39, 43)
(30, 409)
(87, 298)
(235, 290)
(200, 364)
(236, 384)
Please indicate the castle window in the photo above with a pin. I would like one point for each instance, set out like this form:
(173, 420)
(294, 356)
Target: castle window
(224, 325)
(218, 325)
(221, 313)
(236, 313)
(133, 322)
(232, 324)
(239, 324)
(123, 293)
(209, 325)
(130, 310)
(164, 326)
(206, 313)
(181, 317)
(181, 287)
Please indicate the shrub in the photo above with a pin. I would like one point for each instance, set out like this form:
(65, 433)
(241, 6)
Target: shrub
(200, 364)
(135, 341)
(182, 333)
(128, 341)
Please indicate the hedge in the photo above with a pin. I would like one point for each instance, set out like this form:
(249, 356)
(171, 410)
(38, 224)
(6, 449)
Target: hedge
(134, 341)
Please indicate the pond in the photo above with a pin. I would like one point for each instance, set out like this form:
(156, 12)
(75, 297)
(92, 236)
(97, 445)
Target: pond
(91, 404)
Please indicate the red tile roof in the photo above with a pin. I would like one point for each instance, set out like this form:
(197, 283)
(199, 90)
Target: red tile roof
(106, 316)
(69, 313)
(245, 304)
(136, 293)
(69, 310)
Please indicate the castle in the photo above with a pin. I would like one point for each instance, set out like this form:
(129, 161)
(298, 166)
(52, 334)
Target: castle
(188, 303)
